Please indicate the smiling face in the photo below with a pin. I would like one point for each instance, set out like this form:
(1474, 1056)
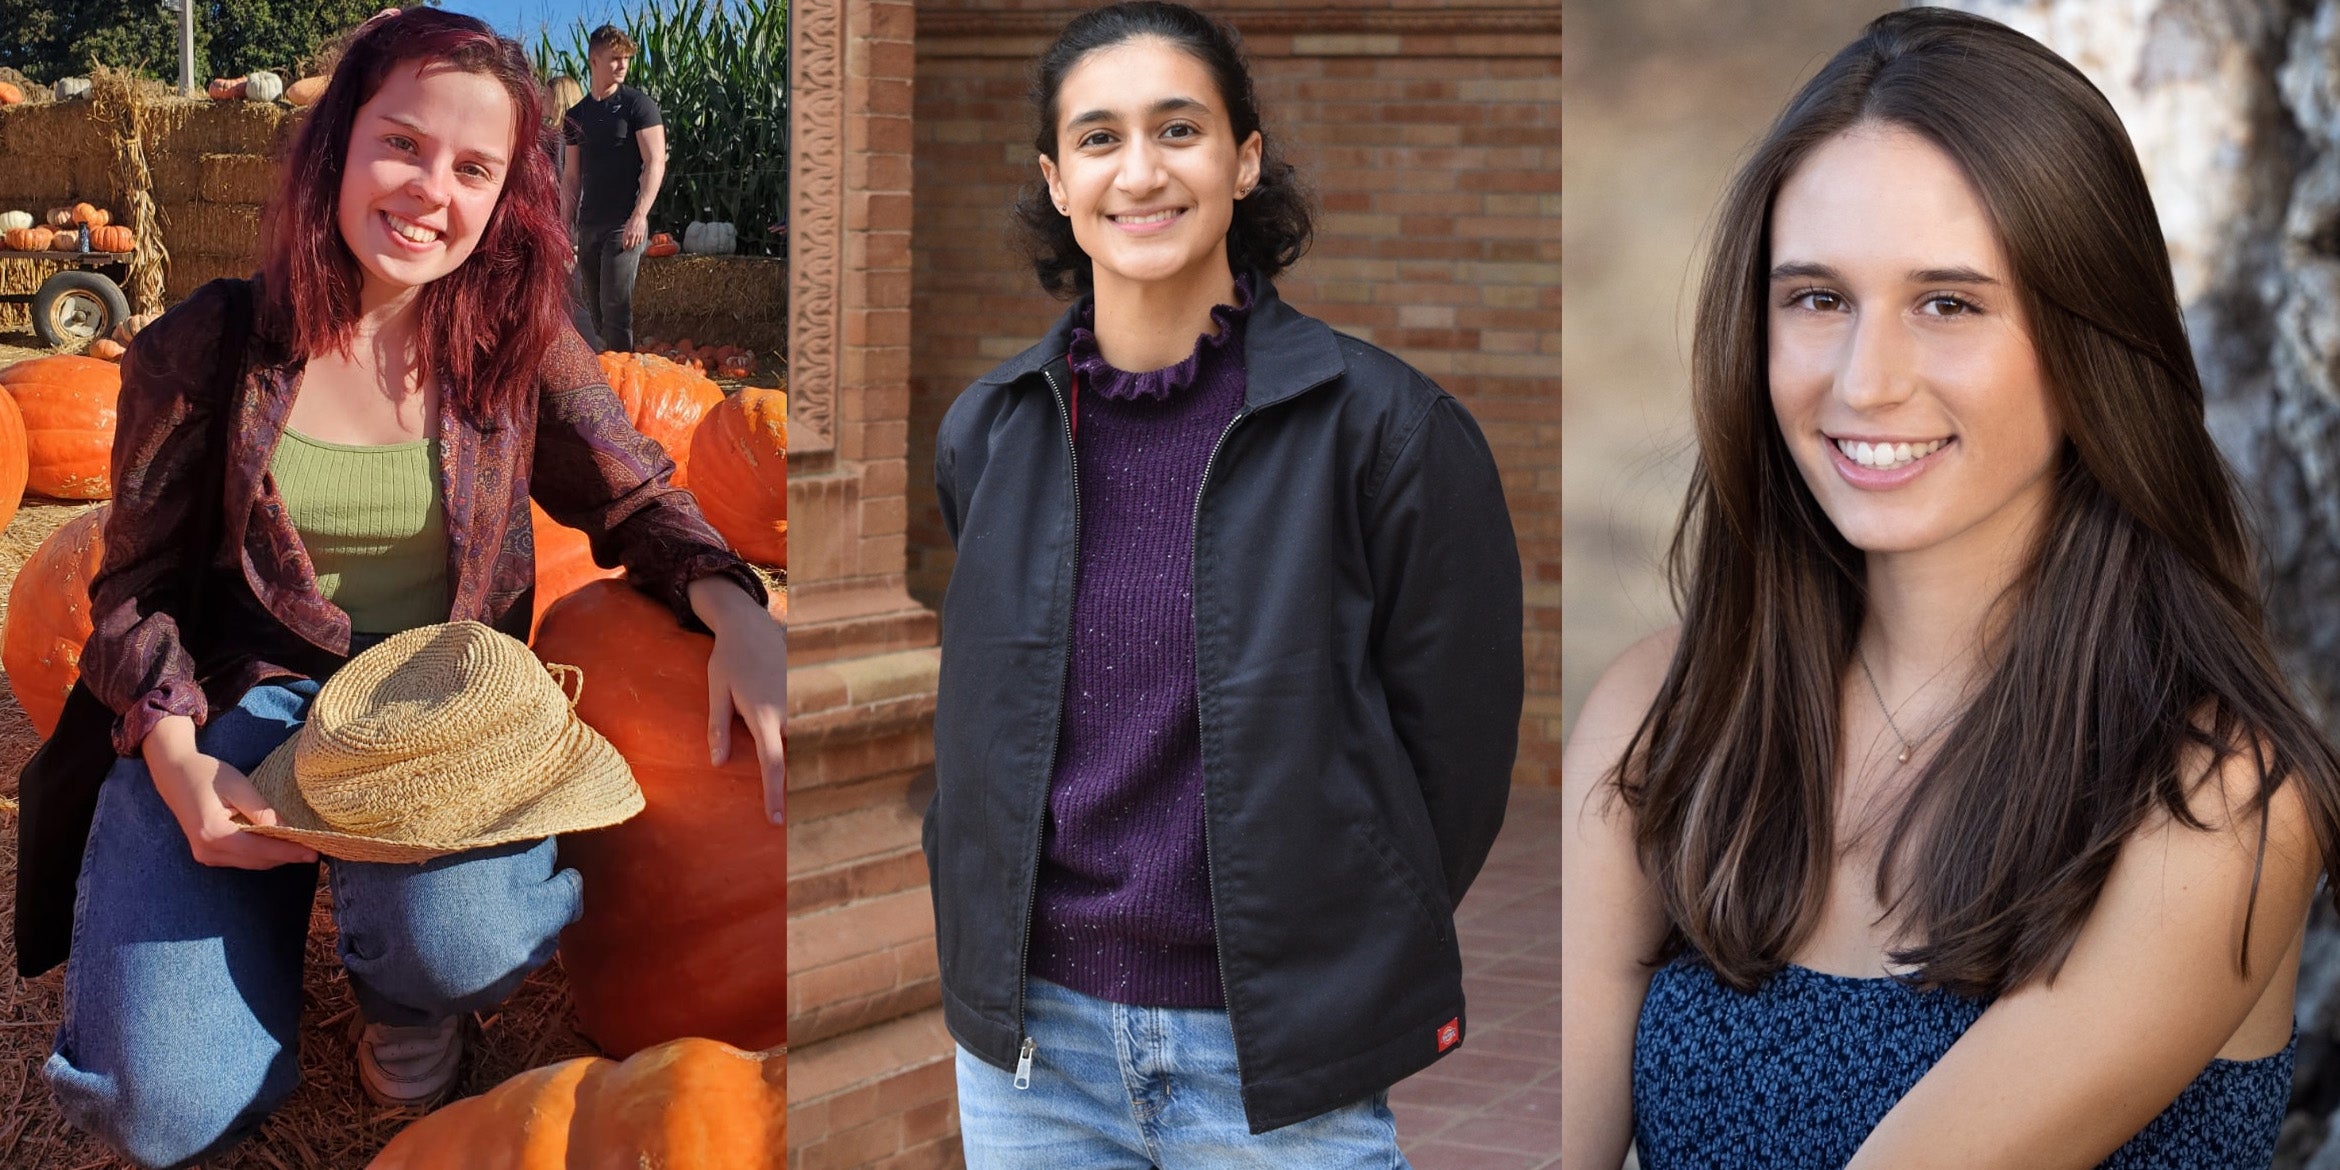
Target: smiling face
(1147, 164)
(1902, 374)
(427, 159)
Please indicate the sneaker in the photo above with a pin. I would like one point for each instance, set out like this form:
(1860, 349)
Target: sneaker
(401, 1066)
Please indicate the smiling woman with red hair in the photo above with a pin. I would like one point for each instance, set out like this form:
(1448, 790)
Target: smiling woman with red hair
(377, 408)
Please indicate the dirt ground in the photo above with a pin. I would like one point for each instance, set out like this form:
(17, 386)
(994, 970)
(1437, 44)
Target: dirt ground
(1661, 98)
(328, 1124)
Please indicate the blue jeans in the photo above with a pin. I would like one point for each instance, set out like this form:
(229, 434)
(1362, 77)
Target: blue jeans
(1117, 1086)
(183, 996)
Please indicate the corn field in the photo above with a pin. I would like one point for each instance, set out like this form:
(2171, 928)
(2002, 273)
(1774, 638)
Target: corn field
(718, 70)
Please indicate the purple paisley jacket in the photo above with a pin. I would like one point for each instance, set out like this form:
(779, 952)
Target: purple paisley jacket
(572, 448)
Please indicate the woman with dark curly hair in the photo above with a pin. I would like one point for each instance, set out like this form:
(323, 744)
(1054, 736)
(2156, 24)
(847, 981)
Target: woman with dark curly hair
(1231, 670)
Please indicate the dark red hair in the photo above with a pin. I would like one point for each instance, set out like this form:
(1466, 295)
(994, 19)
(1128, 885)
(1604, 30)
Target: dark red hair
(486, 324)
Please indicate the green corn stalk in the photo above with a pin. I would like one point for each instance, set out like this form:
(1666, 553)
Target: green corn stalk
(718, 70)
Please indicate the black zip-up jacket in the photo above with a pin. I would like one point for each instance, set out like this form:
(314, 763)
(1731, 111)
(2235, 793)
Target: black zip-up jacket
(1358, 677)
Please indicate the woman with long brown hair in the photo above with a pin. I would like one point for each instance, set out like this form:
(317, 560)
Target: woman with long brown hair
(1965, 819)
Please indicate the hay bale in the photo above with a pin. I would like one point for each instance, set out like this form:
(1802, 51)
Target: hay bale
(237, 178)
(22, 276)
(35, 182)
(56, 128)
(187, 273)
(94, 181)
(177, 178)
(193, 127)
(19, 277)
(724, 300)
(226, 230)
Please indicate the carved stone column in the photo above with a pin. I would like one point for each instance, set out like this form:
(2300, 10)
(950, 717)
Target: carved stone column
(869, 1074)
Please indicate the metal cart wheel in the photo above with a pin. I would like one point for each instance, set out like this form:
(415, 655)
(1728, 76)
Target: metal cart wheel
(75, 307)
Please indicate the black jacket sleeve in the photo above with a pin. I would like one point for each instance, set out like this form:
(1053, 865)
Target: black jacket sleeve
(1447, 636)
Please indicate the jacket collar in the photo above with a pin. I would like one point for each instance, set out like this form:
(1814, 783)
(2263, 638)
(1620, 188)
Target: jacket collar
(1285, 352)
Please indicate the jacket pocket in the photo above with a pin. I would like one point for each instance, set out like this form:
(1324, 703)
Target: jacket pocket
(1410, 879)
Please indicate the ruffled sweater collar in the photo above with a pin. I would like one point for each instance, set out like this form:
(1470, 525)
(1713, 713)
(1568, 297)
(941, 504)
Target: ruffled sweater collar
(1100, 375)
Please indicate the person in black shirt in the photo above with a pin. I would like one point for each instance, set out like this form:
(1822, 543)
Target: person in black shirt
(611, 169)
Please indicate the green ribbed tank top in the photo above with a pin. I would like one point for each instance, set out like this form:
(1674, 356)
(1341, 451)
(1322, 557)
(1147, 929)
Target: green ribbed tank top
(373, 524)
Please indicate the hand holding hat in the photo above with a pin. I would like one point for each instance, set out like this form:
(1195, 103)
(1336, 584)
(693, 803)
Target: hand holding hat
(438, 740)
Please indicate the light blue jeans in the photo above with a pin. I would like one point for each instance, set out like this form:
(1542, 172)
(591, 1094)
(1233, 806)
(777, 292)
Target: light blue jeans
(183, 996)
(1116, 1086)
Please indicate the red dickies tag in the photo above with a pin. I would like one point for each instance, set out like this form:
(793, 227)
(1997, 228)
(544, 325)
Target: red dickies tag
(1450, 1033)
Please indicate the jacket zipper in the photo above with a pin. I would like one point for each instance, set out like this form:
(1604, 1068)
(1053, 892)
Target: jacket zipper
(1210, 863)
(1027, 1046)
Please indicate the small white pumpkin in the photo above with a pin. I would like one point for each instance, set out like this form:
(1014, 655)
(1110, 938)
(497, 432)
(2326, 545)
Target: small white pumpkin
(263, 86)
(12, 220)
(710, 239)
(61, 216)
(72, 88)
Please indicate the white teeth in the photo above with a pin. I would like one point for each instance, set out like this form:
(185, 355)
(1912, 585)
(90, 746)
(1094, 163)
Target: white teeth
(412, 231)
(1887, 456)
(1153, 217)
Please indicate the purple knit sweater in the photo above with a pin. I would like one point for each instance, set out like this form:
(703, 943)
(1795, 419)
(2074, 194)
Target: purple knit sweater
(1123, 909)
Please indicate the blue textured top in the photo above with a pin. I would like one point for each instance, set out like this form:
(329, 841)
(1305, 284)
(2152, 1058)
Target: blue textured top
(1798, 1073)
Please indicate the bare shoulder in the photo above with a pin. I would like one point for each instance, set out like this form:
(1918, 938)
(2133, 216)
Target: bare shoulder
(2223, 795)
(1613, 710)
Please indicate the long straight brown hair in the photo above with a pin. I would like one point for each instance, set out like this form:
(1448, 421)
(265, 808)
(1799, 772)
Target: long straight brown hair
(2132, 643)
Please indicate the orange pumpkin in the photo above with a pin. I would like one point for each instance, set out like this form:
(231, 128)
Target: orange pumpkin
(107, 348)
(564, 559)
(225, 89)
(686, 931)
(10, 93)
(49, 618)
(306, 91)
(12, 459)
(91, 214)
(690, 1104)
(112, 238)
(68, 405)
(663, 400)
(662, 244)
(739, 456)
(31, 239)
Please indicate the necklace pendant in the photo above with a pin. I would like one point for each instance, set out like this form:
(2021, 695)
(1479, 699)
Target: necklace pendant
(1905, 755)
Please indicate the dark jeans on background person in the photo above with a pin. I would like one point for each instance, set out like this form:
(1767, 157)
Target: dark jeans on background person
(581, 314)
(607, 273)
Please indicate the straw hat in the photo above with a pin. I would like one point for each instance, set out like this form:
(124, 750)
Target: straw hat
(441, 739)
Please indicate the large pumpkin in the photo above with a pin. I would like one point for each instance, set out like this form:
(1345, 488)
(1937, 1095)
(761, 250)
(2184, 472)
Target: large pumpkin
(685, 1105)
(112, 237)
(68, 405)
(49, 618)
(685, 932)
(29, 239)
(564, 559)
(12, 459)
(739, 457)
(663, 400)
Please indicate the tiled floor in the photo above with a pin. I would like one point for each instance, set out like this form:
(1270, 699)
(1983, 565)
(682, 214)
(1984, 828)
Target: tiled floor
(1495, 1105)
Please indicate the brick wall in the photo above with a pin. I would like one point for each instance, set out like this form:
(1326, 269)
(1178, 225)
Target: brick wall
(1432, 136)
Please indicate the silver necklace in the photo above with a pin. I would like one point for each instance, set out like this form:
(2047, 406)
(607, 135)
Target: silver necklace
(1907, 748)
